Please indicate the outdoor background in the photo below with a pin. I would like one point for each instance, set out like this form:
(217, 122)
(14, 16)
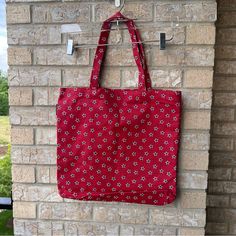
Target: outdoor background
(5, 167)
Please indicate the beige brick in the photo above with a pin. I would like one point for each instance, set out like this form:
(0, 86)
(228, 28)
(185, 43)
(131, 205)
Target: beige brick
(33, 155)
(43, 56)
(71, 228)
(61, 13)
(195, 141)
(77, 77)
(34, 193)
(17, 14)
(195, 78)
(34, 34)
(148, 32)
(116, 56)
(44, 228)
(222, 144)
(132, 10)
(191, 232)
(130, 215)
(53, 174)
(31, 227)
(19, 56)
(193, 200)
(200, 34)
(19, 227)
(193, 180)
(42, 175)
(133, 215)
(199, 56)
(22, 135)
(65, 211)
(160, 78)
(188, 56)
(33, 116)
(182, 11)
(90, 34)
(24, 210)
(174, 56)
(193, 160)
(147, 230)
(127, 230)
(46, 96)
(45, 136)
(197, 99)
(20, 96)
(166, 78)
(173, 217)
(34, 76)
(58, 229)
(217, 200)
(222, 114)
(110, 78)
(106, 214)
(23, 173)
(225, 67)
(224, 83)
(196, 120)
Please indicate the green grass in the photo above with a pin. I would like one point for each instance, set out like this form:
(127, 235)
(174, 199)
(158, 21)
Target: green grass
(5, 175)
(5, 216)
(4, 130)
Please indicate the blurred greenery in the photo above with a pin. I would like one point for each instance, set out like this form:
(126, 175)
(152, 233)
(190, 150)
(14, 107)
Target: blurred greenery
(5, 174)
(4, 130)
(4, 106)
(5, 222)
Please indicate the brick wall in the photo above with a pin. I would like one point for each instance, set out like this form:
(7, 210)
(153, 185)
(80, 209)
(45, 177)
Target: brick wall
(39, 66)
(222, 167)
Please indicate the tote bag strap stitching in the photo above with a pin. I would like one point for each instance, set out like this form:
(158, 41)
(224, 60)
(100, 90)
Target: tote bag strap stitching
(138, 52)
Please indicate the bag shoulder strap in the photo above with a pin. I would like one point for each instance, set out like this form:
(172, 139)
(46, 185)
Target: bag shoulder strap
(138, 52)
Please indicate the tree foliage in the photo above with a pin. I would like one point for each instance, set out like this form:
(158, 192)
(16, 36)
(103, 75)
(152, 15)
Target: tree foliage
(4, 107)
(5, 175)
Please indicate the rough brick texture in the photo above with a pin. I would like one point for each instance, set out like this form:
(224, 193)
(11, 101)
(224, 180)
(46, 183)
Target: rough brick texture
(39, 66)
(221, 207)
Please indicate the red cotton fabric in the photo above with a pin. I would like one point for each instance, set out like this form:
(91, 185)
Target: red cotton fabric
(118, 144)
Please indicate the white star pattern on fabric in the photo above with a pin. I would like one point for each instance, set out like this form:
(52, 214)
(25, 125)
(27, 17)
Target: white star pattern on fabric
(118, 144)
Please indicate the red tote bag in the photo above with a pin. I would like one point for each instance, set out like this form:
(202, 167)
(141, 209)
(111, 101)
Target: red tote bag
(118, 144)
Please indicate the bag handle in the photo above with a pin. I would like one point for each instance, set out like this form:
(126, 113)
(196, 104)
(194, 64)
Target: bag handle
(138, 52)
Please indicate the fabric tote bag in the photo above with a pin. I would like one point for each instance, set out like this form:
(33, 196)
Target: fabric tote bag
(118, 144)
